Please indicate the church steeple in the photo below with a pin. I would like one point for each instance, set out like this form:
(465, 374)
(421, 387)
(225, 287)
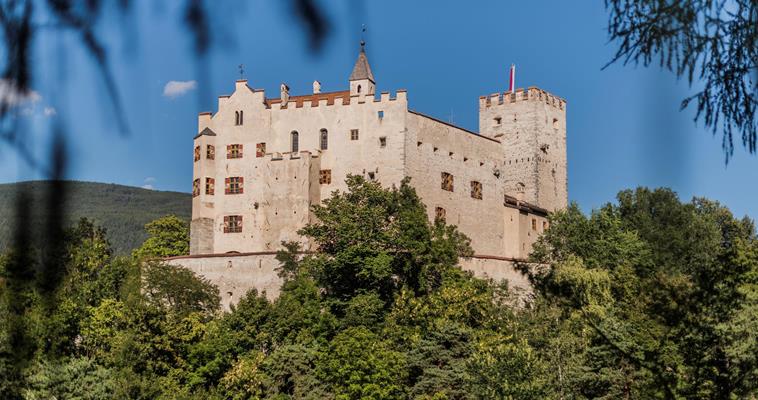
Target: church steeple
(361, 79)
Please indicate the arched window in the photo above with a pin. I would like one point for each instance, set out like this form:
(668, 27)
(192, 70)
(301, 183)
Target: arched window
(359, 88)
(236, 118)
(240, 118)
(324, 139)
(295, 141)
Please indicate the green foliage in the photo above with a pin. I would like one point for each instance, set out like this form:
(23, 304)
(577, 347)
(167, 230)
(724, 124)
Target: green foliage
(664, 288)
(647, 298)
(168, 236)
(122, 211)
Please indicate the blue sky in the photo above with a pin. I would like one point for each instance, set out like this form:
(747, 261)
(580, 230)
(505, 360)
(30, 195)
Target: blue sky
(624, 124)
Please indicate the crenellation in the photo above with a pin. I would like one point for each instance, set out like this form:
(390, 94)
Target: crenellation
(497, 185)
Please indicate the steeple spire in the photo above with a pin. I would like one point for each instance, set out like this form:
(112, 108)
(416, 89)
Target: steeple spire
(362, 70)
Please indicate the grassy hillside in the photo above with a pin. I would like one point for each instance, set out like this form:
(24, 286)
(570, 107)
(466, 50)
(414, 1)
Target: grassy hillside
(122, 210)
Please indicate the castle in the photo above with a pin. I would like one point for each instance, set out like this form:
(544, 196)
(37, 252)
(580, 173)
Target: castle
(260, 163)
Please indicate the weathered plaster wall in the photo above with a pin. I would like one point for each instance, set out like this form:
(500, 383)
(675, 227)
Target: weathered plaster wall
(235, 275)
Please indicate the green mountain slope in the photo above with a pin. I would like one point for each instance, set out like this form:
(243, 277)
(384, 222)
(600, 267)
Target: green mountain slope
(122, 210)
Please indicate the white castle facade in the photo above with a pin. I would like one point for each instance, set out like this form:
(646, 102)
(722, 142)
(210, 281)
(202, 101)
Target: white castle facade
(261, 163)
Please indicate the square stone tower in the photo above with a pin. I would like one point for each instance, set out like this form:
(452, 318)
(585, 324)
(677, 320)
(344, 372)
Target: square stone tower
(531, 126)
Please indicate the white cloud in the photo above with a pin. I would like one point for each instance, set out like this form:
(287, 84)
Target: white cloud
(148, 183)
(11, 96)
(50, 111)
(174, 89)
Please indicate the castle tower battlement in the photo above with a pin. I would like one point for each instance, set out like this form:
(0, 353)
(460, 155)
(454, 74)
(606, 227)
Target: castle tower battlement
(261, 163)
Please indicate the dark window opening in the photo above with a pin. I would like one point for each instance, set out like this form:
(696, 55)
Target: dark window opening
(324, 139)
(295, 142)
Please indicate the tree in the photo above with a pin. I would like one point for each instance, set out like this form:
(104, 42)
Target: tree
(178, 289)
(713, 42)
(168, 236)
(665, 287)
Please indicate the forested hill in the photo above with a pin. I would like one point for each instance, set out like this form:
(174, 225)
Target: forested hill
(122, 210)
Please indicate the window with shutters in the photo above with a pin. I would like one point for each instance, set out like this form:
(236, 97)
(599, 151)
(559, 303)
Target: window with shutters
(196, 188)
(476, 190)
(324, 139)
(234, 151)
(234, 185)
(233, 224)
(353, 134)
(325, 177)
(210, 152)
(440, 214)
(197, 153)
(210, 186)
(260, 149)
(447, 182)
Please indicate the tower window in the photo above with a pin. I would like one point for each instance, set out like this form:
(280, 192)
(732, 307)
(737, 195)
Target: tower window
(324, 139)
(295, 141)
(476, 190)
(232, 224)
(197, 153)
(353, 134)
(210, 186)
(447, 182)
(383, 141)
(260, 149)
(498, 120)
(325, 176)
(359, 88)
(210, 152)
(234, 185)
(234, 151)
(440, 214)
(196, 188)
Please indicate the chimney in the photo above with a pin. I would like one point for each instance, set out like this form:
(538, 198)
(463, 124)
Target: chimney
(284, 91)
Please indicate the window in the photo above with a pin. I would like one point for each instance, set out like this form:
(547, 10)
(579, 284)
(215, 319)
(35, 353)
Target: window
(234, 151)
(380, 114)
(353, 134)
(210, 186)
(498, 120)
(210, 152)
(383, 141)
(555, 123)
(260, 149)
(447, 182)
(324, 142)
(359, 88)
(238, 118)
(325, 176)
(234, 185)
(544, 226)
(232, 224)
(440, 214)
(371, 175)
(294, 141)
(534, 224)
(197, 153)
(196, 188)
(476, 190)
(241, 118)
